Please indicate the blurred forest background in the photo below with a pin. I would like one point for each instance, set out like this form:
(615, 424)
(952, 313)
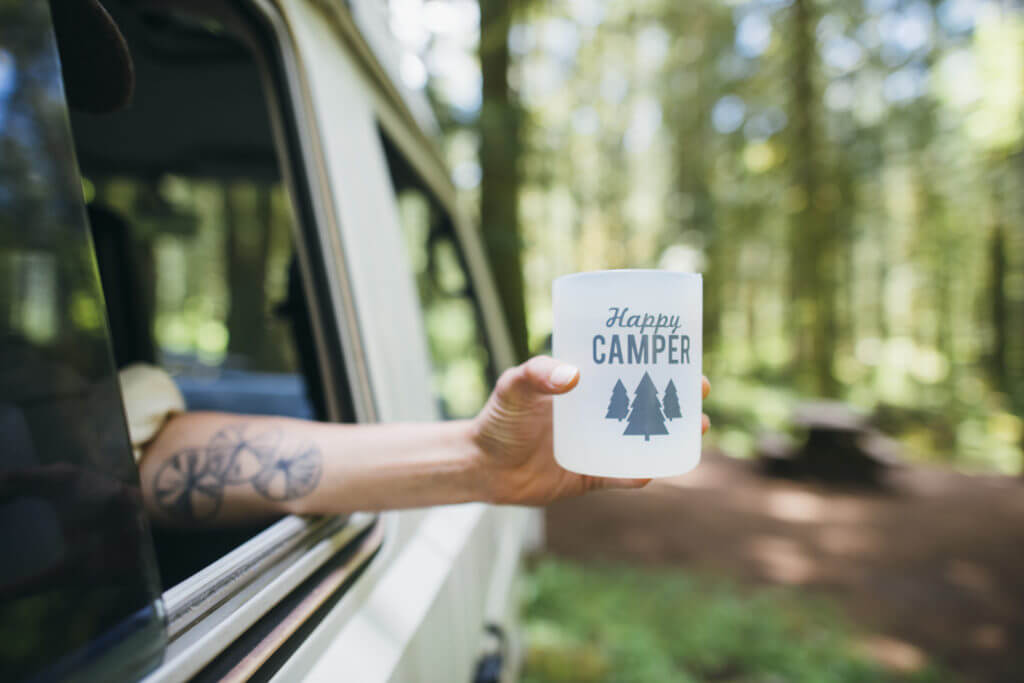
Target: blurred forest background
(845, 173)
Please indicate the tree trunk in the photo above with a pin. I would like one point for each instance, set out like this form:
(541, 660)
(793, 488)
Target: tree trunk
(499, 157)
(246, 237)
(693, 160)
(812, 242)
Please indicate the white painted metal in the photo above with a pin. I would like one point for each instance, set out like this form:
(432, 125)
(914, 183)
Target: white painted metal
(419, 619)
(390, 320)
(396, 113)
(195, 597)
(418, 614)
(195, 647)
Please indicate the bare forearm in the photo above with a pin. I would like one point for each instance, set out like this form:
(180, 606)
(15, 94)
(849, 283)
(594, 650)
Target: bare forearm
(210, 468)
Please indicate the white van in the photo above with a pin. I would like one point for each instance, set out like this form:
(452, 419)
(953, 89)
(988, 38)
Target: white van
(271, 163)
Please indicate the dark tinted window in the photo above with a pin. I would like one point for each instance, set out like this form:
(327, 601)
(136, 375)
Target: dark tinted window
(78, 586)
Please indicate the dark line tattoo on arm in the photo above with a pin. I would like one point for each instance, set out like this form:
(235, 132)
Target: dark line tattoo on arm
(190, 485)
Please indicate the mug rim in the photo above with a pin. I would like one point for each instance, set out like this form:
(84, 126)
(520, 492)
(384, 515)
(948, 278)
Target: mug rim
(625, 271)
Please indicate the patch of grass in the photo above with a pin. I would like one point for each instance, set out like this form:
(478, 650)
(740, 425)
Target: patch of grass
(624, 625)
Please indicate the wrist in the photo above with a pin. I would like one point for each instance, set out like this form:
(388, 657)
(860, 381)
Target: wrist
(481, 475)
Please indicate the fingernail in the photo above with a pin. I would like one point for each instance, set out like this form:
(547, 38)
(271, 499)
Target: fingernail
(563, 375)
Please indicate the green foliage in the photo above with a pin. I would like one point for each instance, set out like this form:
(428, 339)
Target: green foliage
(595, 624)
(454, 329)
(215, 257)
(849, 190)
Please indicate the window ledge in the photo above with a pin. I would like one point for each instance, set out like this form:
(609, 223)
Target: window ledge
(208, 611)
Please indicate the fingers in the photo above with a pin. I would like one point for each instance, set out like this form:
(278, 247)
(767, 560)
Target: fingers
(617, 483)
(547, 375)
(540, 374)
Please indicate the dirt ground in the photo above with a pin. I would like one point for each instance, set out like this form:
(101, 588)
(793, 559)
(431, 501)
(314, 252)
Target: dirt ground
(932, 568)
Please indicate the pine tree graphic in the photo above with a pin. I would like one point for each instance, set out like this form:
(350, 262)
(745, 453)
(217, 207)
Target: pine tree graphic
(645, 417)
(618, 407)
(670, 402)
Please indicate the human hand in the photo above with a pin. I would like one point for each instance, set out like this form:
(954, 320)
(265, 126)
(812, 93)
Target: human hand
(513, 435)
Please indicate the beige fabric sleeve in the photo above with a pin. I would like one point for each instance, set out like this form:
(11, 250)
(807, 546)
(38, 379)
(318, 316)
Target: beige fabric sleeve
(150, 398)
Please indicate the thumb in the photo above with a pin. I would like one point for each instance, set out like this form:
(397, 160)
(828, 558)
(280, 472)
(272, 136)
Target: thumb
(540, 374)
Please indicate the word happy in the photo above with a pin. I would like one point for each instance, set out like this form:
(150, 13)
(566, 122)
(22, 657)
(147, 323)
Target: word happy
(641, 348)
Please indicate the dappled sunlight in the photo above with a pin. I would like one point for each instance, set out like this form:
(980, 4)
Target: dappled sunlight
(795, 506)
(782, 559)
(893, 654)
(933, 563)
(849, 541)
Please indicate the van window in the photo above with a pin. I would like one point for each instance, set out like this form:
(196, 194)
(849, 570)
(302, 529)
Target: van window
(462, 364)
(217, 256)
(194, 237)
(79, 593)
(191, 262)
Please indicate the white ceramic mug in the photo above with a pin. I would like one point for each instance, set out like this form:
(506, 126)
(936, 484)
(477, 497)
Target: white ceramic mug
(635, 335)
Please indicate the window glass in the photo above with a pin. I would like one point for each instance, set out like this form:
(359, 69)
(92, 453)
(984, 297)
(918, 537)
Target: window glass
(78, 584)
(218, 257)
(193, 234)
(461, 362)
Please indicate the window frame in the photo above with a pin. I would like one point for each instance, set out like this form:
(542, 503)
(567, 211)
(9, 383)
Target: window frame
(397, 119)
(424, 160)
(207, 612)
(400, 167)
(297, 127)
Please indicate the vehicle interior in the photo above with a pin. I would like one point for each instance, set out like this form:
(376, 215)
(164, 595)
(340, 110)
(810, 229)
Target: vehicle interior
(195, 233)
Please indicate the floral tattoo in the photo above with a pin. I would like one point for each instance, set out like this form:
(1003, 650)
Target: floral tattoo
(190, 485)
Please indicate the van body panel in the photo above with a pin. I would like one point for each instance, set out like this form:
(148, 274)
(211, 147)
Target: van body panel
(387, 306)
(417, 615)
(399, 113)
(419, 611)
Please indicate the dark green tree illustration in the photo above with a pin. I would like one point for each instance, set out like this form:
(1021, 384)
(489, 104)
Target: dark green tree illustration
(645, 417)
(670, 402)
(618, 407)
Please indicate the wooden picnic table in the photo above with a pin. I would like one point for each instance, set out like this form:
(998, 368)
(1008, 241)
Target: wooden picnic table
(840, 446)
